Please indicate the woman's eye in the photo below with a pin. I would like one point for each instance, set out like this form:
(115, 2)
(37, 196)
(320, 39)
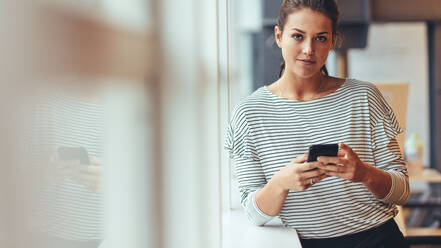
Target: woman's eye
(297, 36)
(322, 38)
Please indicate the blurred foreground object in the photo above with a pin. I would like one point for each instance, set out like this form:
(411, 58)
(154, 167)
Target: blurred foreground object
(82, 50)
(159, 86)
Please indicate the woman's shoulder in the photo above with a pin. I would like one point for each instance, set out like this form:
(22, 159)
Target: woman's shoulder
(252, 101)
(367, 91)
(360, 86)
(353, 82)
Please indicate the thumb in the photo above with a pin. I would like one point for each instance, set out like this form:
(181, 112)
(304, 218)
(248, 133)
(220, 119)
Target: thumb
(346, 149)
(95, 160)
(300, 159)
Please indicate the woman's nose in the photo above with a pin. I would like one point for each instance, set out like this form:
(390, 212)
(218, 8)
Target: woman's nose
(308, 48)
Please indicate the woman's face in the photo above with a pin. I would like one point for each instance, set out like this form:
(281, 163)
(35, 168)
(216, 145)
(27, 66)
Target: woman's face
(305, 41)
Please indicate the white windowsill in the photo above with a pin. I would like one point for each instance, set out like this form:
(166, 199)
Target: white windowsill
(239, 232)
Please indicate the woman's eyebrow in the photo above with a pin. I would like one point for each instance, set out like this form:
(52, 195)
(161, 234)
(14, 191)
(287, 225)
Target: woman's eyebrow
(301, 31)
(298, 30)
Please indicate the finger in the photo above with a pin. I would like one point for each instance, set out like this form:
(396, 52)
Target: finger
(300, 159)
(93, 186)
(312, 174)
(333, 168)
(346, 148)
(323, 177)
(326, 160)
(306, 187)
(336, 174)
(319, 178)
(68, 164)
(306, 166)
(90, 169)
(341, 153)
(95, 160)
(87, 179)
(316, 179)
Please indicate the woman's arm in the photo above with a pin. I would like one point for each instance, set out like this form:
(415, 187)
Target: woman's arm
(390, 160)
(377, 181)
(390, 186)
(271, 197)
(297, 175)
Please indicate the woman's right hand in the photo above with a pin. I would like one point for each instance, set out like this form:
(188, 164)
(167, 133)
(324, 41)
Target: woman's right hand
(53, 169)
(299, 174)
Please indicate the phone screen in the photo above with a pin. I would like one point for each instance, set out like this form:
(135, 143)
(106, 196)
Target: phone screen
(322, 150)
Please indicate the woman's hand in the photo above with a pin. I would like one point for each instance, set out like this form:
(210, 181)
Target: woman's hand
(347, 165)
(89, 175)
(53, 170)
(299, 174)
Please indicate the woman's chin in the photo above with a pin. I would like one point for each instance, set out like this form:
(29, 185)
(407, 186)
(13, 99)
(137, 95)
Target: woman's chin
(305, 73)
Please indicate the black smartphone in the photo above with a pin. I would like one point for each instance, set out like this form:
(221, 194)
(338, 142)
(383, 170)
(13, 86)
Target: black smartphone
(315, 151)
(73, 153)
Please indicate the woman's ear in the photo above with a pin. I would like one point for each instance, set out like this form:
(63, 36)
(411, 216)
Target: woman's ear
(278, 36)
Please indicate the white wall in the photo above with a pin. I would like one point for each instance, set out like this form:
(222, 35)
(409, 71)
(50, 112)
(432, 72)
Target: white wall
(398, 53)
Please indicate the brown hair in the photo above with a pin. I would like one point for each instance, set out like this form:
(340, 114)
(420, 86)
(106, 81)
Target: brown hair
(327, 7)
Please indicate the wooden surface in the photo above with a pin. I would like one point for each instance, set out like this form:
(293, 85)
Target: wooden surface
(423, 231)
(428, 176)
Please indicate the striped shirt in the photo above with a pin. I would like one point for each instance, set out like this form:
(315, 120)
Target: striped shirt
(68, 209)
(266, 132)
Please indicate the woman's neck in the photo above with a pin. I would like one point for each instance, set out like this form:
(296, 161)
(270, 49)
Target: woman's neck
(293, 87)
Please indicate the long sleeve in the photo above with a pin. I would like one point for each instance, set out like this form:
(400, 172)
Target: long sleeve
(251, 178)
(390, 160)
(240, 145)
(386, 151)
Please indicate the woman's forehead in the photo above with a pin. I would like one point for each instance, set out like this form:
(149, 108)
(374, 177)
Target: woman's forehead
(309, 21)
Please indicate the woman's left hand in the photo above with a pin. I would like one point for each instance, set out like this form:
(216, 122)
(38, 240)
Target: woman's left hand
(90, 175)
(348, 165)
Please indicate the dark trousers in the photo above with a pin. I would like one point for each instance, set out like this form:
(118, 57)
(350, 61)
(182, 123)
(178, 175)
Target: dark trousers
(386, 235)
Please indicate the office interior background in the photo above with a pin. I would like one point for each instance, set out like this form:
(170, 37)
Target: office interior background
(165, 77)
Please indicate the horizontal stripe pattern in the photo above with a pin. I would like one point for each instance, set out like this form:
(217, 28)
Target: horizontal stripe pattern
(68, 209)
(266, 132)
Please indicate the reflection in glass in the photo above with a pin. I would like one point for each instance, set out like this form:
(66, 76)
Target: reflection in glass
(68, 144)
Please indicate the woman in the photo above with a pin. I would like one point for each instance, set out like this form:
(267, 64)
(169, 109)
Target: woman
(343, 201)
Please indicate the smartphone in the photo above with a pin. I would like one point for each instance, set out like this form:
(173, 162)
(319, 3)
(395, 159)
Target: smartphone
(330, 150)
(73, 153)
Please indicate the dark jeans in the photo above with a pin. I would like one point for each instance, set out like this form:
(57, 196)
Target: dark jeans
(386, 235)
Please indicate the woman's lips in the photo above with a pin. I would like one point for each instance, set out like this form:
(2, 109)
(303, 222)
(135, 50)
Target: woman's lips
(306, 61)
